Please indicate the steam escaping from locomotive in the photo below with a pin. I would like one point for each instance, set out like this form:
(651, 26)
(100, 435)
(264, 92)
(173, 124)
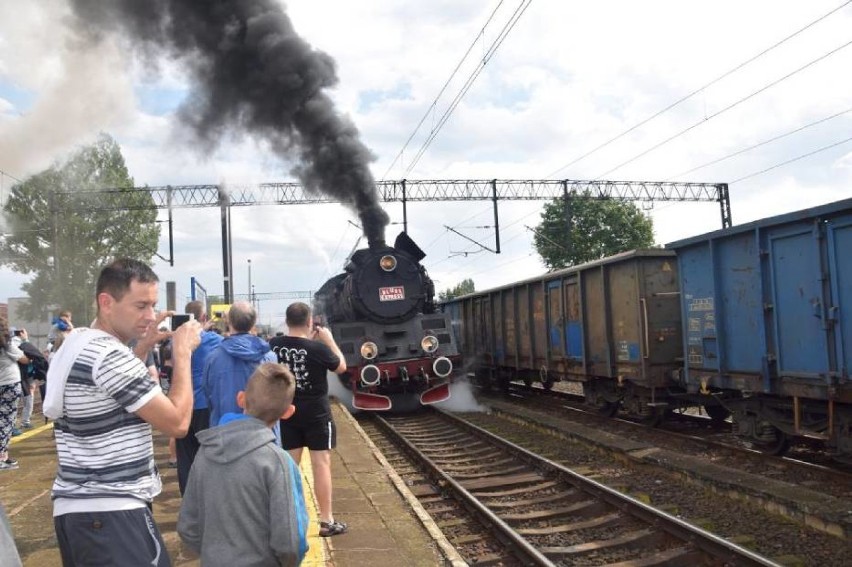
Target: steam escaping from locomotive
(251, 74)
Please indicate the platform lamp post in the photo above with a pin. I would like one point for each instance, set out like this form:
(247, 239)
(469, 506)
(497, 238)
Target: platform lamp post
(248, 291)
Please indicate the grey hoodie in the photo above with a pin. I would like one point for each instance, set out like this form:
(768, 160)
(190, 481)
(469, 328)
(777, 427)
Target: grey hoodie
(244, 503)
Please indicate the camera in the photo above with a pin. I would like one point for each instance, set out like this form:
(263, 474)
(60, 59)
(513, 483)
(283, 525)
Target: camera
(178, 320)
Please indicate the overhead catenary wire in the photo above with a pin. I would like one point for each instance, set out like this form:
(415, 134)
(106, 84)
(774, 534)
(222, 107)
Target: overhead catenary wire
(797, 158)
(699, 90)
(467, 265)
(443, 88)
(725, 109)
(444, 233)
(759, 144)
(9, 175)
(513, 20)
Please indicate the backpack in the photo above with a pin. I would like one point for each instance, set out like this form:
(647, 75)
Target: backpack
(37, 368)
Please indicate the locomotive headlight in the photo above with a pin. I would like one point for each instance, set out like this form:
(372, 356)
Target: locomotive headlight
(369, 350)
(370, 375)
(388, 263)
(442, 366)
(429, 343)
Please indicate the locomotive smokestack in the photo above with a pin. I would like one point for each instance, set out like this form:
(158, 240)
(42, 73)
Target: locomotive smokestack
(377, 242)
(251, 73)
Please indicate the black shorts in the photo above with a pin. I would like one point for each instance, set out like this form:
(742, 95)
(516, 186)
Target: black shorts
(318, 435)
(126, 537)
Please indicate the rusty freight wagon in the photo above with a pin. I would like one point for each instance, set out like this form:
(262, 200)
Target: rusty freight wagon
(613, 325)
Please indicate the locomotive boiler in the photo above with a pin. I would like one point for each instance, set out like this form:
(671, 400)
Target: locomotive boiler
(400, 353)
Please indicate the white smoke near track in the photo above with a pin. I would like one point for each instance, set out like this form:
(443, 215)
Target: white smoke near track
(461, 398)
(337, 390)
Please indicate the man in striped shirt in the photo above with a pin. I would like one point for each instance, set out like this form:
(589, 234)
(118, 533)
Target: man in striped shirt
(105, 404)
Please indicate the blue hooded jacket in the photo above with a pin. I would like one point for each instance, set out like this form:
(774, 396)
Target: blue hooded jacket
(209, 342)
(228, 369)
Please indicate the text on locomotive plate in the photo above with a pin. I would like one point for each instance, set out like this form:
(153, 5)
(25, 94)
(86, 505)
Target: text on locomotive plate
(392, 293)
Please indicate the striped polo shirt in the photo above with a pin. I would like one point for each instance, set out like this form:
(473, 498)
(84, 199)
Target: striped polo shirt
(105, 451)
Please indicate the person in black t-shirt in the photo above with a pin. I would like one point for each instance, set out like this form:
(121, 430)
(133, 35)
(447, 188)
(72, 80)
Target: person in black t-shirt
(310, 352)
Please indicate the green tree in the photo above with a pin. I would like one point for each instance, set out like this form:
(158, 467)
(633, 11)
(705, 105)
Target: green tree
(65, 228)
(599, 227)
(463, 288)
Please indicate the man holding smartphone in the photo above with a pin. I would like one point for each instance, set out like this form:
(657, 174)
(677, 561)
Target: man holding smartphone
(105, 404)
(310, 352)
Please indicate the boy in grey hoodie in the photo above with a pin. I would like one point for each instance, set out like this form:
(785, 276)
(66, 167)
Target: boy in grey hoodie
(244, 503)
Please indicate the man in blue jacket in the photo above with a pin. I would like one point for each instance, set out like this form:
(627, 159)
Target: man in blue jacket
(187, 447)
(229, 366)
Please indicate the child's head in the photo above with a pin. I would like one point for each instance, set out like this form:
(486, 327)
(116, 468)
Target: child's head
(269, 393)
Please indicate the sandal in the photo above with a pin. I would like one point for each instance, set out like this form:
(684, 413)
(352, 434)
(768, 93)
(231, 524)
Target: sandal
(333, 528)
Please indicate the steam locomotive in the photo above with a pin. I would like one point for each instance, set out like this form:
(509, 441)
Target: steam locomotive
(400, 353)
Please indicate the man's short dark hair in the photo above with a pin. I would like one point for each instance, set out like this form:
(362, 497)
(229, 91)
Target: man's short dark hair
(196, 308)
(297, 314)
(242, 317)
(115, 277)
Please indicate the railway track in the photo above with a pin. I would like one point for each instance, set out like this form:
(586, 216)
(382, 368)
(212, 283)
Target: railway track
(539, 512)
(703, 436)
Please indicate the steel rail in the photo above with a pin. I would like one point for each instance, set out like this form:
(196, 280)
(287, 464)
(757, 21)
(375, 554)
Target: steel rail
(514, 541)
(704, 540)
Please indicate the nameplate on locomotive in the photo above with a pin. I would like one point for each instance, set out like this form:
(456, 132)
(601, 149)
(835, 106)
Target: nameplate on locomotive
(392, 293)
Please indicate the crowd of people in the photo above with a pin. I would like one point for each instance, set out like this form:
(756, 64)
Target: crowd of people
(239, 411)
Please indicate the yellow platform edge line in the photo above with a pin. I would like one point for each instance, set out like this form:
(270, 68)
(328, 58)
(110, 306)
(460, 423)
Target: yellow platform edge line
(31, 433)
(317, 555)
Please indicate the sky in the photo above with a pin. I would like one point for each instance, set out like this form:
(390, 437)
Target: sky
(566, 78)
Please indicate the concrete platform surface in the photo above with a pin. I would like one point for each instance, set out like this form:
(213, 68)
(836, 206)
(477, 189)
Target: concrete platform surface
(387, 526)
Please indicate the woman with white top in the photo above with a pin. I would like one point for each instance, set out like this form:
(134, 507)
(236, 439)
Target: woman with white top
(10, 391)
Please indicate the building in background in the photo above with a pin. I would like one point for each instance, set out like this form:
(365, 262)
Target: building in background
(37, 330)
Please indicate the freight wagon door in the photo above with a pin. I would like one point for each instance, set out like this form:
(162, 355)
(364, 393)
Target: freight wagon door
(555, 321)
(479, 333)
(840, 268)
(797, 299)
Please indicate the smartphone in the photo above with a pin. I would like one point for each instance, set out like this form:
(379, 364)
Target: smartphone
(178, 320)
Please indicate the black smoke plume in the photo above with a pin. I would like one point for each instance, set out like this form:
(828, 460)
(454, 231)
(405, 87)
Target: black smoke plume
(251, 73)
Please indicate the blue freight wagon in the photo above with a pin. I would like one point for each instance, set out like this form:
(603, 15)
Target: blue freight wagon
(764, 325)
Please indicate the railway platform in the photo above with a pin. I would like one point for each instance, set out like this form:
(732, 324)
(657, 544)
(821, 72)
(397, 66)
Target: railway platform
(387, 526)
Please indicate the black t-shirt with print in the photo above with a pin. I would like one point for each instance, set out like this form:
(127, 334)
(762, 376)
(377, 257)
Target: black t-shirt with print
(310, 362)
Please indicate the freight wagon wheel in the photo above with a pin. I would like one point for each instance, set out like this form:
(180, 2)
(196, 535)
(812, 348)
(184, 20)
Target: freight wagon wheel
(547, 380)
(528, 382)
(777, 446)
(597, 401)
(607, 409)
(718, 414)
(655, 418)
